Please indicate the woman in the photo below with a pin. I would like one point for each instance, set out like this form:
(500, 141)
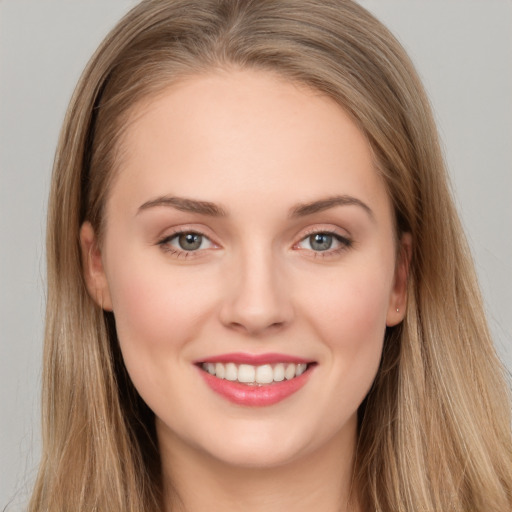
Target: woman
(259, 290)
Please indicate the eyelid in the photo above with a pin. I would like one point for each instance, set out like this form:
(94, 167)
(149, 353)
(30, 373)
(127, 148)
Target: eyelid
(344, 240)
(163, 240)
(329, 229)
(178, 229)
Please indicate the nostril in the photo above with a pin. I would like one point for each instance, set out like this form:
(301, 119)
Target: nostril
(256, 304)
(255, 327)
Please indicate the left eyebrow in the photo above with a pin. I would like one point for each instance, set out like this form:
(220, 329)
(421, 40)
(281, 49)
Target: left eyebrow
(301, 210)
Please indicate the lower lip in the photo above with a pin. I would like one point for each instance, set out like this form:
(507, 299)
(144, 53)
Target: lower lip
(256, 395)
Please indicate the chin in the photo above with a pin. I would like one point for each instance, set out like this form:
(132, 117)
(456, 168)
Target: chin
(256, 455)
(263, 445)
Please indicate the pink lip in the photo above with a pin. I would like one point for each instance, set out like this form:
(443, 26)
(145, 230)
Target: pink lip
(254, 359)
(255, 395)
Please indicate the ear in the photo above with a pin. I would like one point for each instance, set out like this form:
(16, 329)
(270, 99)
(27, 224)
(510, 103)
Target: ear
(94, 274)
(398, 297)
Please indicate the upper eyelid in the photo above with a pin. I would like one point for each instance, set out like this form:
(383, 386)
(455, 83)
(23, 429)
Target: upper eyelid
(344, 240)
(171, 236)
(184, 231)
(164, 243)
(173, 231)
(304, 233)
(330, 230)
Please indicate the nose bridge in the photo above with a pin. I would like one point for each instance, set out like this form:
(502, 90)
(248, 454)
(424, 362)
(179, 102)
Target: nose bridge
(257, 296)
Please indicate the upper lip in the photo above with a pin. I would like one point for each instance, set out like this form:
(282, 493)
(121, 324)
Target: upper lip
(254, 359)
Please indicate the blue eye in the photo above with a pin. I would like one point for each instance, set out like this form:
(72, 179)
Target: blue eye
(324, 241)
(320, 241)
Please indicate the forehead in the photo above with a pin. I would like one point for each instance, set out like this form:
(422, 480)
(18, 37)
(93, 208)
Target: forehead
(244, 137)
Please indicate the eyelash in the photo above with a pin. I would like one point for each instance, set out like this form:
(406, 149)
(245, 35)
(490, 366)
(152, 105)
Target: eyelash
(345, 243)
(164, 243)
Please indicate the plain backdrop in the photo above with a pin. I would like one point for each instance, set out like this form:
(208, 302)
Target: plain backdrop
(463, 50)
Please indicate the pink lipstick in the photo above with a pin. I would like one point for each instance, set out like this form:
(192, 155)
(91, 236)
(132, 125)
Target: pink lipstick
(255, 379)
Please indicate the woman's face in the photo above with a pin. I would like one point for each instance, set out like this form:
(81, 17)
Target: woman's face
(250, 262)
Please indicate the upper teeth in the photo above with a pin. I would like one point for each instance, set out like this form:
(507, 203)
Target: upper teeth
(249, 374)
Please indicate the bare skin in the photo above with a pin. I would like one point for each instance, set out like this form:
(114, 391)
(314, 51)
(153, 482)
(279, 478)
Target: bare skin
(311, 483)
(247, 217)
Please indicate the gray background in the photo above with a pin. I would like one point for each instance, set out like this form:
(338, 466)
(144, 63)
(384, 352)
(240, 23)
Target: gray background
(462, 48)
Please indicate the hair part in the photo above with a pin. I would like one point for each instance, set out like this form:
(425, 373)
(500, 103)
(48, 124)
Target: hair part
(435, 428)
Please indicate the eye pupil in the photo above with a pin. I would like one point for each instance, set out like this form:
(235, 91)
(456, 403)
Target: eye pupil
(190, 241)
(320, 241)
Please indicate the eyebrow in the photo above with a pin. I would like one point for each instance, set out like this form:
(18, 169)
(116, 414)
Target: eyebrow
(185, 205)
(321, 205)
(214, 210)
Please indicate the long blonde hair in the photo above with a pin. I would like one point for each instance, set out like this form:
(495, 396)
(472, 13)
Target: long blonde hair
(435, 430)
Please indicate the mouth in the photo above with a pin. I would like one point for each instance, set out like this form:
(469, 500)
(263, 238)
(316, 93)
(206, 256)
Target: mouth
(255, 380)
(255, 375)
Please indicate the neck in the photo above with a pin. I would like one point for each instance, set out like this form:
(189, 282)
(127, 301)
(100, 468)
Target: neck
(194, 481)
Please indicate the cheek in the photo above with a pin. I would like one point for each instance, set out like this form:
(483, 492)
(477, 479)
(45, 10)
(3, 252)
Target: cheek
(157, 312)
(349, 316)
(354, 303)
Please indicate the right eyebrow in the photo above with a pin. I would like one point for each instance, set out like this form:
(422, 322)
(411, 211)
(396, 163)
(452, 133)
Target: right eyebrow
(185, 205)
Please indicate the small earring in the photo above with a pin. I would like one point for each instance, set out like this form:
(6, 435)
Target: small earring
(397, 310)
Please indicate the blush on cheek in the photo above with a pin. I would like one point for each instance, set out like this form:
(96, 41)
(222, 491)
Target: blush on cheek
(151, 319)
(354, 306)
(353, 322)
(156, 315)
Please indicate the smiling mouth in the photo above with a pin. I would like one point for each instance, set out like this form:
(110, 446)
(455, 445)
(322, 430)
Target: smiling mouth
(252, 375)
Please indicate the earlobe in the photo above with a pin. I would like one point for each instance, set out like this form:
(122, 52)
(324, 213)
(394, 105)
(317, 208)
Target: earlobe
(398, 297)
(92, 265)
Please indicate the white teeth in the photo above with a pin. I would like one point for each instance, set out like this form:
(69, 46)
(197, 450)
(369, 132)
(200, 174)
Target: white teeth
(289, 373)
(264, 374)
(246, 373)
(231, 372)
(301, 368)
(279, 372)
(220, 371)
(249, 374)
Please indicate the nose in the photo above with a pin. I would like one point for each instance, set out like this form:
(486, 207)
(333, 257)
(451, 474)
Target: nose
(256, 295)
